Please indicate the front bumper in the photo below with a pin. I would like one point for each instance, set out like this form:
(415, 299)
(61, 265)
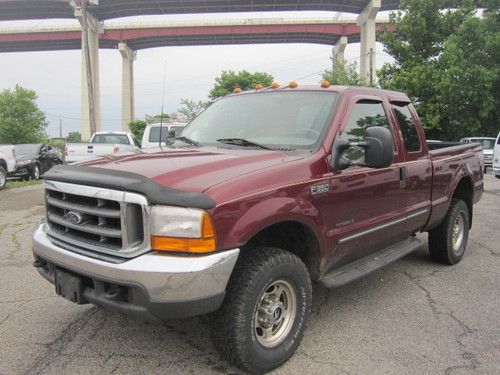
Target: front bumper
(150, 286)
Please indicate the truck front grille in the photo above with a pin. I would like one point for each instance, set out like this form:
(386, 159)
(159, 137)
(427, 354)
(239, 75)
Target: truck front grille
(97, 219)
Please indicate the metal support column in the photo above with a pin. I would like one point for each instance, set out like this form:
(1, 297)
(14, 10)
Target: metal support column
(128, 57)
(366, 21)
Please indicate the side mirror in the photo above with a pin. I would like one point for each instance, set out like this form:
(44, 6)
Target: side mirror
(378, 149)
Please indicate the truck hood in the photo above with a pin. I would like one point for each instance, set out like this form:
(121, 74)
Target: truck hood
(192, 169)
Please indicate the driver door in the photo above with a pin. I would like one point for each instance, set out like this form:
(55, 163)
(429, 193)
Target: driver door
(367, 208)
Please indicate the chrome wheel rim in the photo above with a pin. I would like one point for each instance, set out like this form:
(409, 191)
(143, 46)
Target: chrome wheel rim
(3, 178)
(275, 313)
(457, 234)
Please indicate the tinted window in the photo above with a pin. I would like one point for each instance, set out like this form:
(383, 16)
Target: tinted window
(408, 128)
(154, 134)
(363, 116)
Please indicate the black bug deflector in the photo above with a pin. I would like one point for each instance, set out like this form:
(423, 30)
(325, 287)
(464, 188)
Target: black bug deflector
(128, 181)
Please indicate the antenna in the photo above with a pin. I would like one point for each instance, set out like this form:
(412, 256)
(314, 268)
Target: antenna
(162, 102)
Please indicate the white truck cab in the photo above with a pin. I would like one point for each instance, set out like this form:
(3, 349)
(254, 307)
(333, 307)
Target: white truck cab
(487, 143)
(496, 157)
(151, 137)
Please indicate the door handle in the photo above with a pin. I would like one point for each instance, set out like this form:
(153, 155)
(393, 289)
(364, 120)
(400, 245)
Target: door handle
(402, 177)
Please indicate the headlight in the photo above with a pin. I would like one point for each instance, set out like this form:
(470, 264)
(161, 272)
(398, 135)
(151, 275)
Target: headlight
(24, 162)
(182, 229)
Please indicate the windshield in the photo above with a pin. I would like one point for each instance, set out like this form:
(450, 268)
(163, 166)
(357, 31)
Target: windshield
(177, 129)
(111, 138)
(281, 119)
(26, 149)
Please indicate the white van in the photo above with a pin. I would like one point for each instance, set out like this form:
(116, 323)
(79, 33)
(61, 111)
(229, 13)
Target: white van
(496, 157)
(151, 137)
(487, 143)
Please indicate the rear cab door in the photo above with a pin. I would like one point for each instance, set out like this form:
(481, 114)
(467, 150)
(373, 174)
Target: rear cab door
(416, 172)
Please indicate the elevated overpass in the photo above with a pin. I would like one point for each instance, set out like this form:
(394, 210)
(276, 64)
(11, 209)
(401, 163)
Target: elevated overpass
(91, 15)
(107, 9)
(152, 35)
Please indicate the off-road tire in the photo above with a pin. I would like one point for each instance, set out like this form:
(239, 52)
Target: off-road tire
(3, 177)
(233, 326)
(441, 238)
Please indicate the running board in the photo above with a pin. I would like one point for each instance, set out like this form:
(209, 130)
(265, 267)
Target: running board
(364, 266)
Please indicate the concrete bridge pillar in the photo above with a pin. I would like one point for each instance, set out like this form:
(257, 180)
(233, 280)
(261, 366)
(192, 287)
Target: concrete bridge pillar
(128, 57)
(338, 49)
(366, 20)
(90, 100)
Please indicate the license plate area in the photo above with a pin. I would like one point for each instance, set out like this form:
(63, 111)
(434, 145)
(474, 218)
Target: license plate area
(69, 286)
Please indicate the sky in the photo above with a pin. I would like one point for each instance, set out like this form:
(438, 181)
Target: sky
(190, 70)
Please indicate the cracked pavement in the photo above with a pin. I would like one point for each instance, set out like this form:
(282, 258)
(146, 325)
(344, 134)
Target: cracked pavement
(412, 317)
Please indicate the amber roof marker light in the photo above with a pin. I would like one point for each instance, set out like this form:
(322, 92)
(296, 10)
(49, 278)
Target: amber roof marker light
(237, 90)
(325, 83)
(293, 84)
(275, 85)
(259, 86)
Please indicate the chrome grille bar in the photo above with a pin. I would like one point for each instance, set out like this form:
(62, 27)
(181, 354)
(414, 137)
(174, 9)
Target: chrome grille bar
(99, 219)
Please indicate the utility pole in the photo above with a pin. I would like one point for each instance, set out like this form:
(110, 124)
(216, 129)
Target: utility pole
(371, 66)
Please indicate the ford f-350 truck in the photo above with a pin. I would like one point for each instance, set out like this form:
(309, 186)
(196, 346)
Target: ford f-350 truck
(262, 194)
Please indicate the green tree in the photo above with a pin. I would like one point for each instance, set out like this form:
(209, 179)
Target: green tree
(342, 73)
(229, 80)
(21, 121)
(191, 108)
(74, 137)
(137, 128)
(447, 62)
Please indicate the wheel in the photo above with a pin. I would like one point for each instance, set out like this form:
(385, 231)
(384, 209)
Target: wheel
(447, 241)
(35, 172)
(497, 175)
(3, 177)
(265, 311)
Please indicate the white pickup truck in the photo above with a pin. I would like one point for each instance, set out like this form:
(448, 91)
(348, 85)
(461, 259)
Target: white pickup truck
(101, 143)
(7, 162)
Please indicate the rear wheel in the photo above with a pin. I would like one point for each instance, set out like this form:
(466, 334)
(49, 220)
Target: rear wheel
(3, 177)
(447, 242)
(265, 311)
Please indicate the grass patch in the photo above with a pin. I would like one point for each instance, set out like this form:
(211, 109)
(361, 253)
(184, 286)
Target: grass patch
(12, 184)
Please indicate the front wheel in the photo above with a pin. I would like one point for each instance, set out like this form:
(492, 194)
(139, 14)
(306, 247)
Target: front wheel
(447, 242)
(35, 172)
(265, 310)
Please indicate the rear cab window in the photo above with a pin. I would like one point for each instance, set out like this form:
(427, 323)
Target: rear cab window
(408, 127)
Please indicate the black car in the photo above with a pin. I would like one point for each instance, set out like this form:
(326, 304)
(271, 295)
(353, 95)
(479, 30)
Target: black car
(33, 160)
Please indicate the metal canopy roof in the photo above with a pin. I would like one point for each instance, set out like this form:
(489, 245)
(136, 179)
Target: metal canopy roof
(107, 9)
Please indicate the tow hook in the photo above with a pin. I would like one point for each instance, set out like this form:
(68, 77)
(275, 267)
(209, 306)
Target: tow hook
(39, 262)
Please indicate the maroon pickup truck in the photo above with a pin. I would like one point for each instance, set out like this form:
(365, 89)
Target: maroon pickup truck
(262, 194)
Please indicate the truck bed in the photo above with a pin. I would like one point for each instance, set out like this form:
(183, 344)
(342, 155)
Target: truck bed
(451, 161)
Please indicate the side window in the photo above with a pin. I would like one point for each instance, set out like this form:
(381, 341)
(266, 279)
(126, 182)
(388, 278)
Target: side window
(364, 114)
(407, 126)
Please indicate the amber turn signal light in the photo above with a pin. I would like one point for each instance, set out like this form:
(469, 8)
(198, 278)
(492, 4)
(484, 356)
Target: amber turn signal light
(205, 244)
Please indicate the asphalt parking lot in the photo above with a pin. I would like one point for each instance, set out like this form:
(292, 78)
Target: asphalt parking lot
(413, 317)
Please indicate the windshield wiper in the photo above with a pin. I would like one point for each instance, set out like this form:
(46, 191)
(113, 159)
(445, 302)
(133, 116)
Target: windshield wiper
(187, 140)
(242, 142)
